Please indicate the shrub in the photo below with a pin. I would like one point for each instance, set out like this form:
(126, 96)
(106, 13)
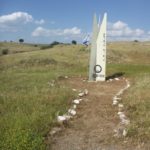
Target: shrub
(54, 43)
(21, 40)
(136, 41)
(74, 42)
(50, 45)
(5, 51)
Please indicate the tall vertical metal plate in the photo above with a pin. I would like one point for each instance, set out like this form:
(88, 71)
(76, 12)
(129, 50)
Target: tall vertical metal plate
(93, 50)
(100, 67)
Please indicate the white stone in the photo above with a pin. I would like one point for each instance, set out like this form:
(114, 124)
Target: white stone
(67, 116)
(120, 105)
(116, 98)
(80, 99)
(117, 79)
(76, 101)
(115, 102)
(119, 113)
(61, 119)
(120, 92)
(125, 121)
(81, 94)
(124, 132)
(122, 116)
(110, 80)
(74, 106)
(128, 85)
(52, 84)
(85, 91)
(72, 112)
(55, 130)
(74, 90)
(66, 77)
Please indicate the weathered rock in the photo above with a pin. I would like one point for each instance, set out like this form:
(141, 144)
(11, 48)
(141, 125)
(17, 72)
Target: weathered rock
(85, 91)
(81, 94)
(55, 130)
(76, 101)
(61, 119)
(72, 112)
(115, 102)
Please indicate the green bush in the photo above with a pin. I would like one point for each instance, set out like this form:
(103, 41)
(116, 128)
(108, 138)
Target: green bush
(74, 42)
(50, 45)
(136, 41)
(5, 51)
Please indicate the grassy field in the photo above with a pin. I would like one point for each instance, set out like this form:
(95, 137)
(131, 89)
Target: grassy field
(12, 48)
(29, 104)
(136, 66)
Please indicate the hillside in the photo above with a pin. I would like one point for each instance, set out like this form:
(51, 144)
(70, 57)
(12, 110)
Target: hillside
(34, 90)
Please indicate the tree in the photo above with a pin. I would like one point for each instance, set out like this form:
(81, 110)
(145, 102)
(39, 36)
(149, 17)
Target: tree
(21, 40)
(5, 51)
(74, 42)
(136, 41)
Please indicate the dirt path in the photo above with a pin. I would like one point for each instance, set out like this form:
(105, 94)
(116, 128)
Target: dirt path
(93, 127)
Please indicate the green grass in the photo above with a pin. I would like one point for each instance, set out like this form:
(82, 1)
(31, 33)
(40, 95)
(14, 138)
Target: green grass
(130, 70)
(136, 66)
(138, 108)
(29, 105)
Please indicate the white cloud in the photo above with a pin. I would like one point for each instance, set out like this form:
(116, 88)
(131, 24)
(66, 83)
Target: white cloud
(40, 31)
(73, 30)
(14, 21)
(149, 32)
(120, 30)
(139, 32)
(40, 21)
(16, 17)
(119, 25)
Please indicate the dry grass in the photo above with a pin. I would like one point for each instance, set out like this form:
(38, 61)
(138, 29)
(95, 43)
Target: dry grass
(138, 108)
(28, 105)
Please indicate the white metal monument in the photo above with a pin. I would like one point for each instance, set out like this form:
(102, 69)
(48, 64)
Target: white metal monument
(97, 68)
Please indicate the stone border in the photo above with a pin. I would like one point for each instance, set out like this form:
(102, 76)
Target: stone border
(121, 129)
(72, 111)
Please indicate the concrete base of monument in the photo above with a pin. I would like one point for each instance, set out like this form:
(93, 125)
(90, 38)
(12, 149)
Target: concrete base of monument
(96, 81)
(100, 79)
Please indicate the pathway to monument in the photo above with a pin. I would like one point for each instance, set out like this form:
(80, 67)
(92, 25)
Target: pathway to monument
(93, 126)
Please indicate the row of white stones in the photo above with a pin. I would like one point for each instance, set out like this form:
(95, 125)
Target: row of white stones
(72, 111)
(124, 121)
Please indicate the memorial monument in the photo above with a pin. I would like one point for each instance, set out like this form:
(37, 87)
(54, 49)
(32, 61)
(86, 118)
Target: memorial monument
(97, 66)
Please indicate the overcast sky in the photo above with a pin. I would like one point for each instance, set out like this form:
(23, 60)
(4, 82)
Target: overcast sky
(45, 21)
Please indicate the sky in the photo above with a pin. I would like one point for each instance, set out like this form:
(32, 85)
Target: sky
(45, 21)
